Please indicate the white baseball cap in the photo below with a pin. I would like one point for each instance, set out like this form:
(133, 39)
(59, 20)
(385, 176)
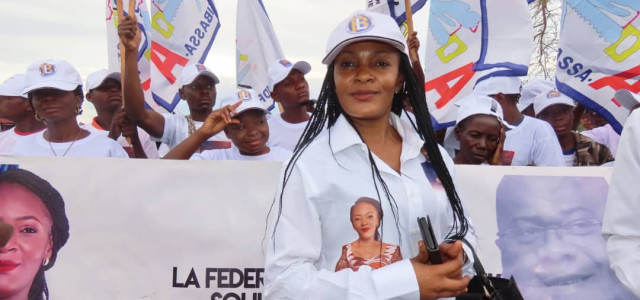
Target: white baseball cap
(498, 84)
(361, 26)
(532, 89)
(192, 71)
(51, 73)
(13, 86)
(627, 99)
(472, 105)
(279, 70)
(550, 97)
(96, 79)
(249, 99)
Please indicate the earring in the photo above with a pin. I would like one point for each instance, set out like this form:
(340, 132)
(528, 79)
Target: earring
(38, 118)
(45, 262)
(397, 90)
(78, 110)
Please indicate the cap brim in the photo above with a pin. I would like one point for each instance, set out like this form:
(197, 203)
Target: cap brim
(115, 76)
(52, 84)
(208, 74)
(302, 66)
(626, 99)
(239, 112)
(4, 91)
(334, 52)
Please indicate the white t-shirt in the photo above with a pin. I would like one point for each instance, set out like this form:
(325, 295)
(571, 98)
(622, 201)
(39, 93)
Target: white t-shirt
(284, 134)
(274, 154)
(568, 159)
(93, 145)
(8, 140)
(533, 142)
(604, 135)
(148, 145)
(176, 130)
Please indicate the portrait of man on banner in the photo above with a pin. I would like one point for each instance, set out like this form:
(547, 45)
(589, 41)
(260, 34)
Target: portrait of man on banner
(549, 237)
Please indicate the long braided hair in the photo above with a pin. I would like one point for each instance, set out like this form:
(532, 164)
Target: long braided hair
(52, 200)
(328, 110)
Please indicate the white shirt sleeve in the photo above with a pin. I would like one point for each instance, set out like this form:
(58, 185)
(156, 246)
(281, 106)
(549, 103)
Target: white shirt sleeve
(294, 254)
(547, 151)
(621, 224)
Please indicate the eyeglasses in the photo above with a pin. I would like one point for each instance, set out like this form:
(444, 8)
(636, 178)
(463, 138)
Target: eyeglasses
(197, 87)
(534, 237)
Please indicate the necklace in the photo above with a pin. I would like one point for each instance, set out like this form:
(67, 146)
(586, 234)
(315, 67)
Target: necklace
(65, 152)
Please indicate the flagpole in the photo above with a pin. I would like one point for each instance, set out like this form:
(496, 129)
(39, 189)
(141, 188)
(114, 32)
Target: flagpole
(409, 13)
(132, 8)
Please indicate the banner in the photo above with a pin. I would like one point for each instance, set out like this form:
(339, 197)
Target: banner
(144, 51)
(202, 235)
(183, 32)
(469, 41)
(257, 47)
(396, 9)
(598, 54)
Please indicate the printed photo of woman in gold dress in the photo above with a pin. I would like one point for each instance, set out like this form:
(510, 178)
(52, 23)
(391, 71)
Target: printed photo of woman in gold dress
(368, 249)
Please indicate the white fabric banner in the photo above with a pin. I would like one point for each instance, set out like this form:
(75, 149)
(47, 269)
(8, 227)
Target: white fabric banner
(598, 54)
(469, 41)
(396, 9)
(183, 32)
(144, 51)
(200, 235)
(257, 47)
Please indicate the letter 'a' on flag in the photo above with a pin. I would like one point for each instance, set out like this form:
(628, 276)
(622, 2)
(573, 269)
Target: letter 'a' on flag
(599, 53)
(396, 9)
(144, 51)
(257, 47)
(469, 41)
(182, 33)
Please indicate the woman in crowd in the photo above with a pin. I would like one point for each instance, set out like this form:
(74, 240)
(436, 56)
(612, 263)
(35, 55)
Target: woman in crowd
(356, 146)
(36, 212)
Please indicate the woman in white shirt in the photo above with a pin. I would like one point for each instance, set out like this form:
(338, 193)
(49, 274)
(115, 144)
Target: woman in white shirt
(54, 89)
(365, 151)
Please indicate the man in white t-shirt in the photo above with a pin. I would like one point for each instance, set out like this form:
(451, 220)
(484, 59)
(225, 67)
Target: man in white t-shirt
(198, 88)
(105, 92)
(244, 121)
(531, 142)
(15, 107)
(289, 88)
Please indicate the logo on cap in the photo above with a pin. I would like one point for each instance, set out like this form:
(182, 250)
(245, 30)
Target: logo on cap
(553, 94)
(244, 95)
(200, 68)
(47, 69)
(359, 24)
(285, 63)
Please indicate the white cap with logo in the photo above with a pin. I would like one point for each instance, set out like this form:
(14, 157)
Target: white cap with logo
(96, 79)
(497, 85)
(13, 86)
(50, 73)
(279, 70)
(363, 26)
(532, 89)
(192, 71)
(550, 97)
(627, 99)
(249, 99)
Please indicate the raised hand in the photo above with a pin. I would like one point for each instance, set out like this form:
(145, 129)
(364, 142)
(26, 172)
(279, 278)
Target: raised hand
(129, 33)
(218, 119)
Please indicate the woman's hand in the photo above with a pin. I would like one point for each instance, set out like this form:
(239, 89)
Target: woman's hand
(442, 280)
(496, 158)
(218, 119)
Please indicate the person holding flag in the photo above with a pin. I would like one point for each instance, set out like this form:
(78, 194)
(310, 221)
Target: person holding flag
(198, 89)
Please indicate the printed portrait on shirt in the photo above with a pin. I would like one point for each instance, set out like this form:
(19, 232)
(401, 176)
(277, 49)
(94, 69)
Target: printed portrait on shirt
(366, 217)
(549, 237)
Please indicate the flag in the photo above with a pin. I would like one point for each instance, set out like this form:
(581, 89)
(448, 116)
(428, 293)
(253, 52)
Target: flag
(598, 54)
(257, 47)
(396, 9)
(113, 42)
(182, 33)
(469, 41)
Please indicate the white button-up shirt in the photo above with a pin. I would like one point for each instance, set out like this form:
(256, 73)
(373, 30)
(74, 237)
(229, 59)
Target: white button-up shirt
(331, 174)
(621, 223)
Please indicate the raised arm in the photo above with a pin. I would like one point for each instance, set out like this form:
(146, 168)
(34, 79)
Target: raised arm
(149, 120)
(216, 121)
